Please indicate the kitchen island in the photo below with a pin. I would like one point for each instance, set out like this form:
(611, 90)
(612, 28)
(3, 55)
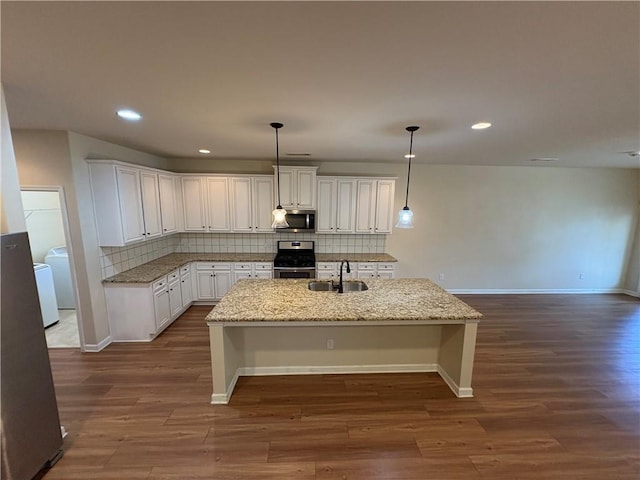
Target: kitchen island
(278, 327)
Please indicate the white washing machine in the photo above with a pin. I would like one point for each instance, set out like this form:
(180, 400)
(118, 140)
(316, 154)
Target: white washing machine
(58, 259)
(46, 293)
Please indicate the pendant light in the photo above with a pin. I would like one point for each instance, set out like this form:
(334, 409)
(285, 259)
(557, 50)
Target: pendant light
(279, 214)
(405, 216)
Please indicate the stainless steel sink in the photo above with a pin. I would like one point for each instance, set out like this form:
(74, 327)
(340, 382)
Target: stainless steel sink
(348, 286)
(316, 286)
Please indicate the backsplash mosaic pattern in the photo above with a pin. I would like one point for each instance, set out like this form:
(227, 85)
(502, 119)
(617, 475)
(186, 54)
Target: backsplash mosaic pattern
(114, 260)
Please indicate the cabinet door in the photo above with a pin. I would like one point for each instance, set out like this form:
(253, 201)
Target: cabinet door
(193, 200)
(222, 283)
(241, 204)
(150, 204)
(287, 189)
(240, 276)
(205, 285)
(175, 298)
(168, 210)
(385, 190)
(218, 204)
(365, 207)
(185, 290)
(263, 204)
(130, 204)
(306, 190)
(161, 306)
(325, 216)
(345, 213)
(264, 275)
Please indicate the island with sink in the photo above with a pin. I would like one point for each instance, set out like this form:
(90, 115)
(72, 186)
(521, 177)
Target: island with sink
(287, 326)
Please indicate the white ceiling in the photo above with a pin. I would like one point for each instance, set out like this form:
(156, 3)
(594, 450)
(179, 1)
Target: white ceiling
(556, 79)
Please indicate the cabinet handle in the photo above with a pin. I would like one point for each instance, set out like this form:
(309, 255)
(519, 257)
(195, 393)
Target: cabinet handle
(165, 229)
(143, 234)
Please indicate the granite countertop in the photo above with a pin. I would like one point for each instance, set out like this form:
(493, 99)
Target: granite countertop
(286, 300)
(153, 270)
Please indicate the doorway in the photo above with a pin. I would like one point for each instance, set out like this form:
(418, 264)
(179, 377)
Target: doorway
(47, 225)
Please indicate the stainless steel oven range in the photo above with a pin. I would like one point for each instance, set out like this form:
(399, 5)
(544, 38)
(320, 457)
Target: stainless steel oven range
(295, 259)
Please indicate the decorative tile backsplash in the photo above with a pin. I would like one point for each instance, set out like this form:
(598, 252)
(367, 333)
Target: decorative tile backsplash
(114, 260)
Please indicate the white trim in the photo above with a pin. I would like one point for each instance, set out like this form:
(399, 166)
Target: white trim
(524, 291)
(630, 293)
(335, 369)
(466, 392)
(92, 347)
(223, 398)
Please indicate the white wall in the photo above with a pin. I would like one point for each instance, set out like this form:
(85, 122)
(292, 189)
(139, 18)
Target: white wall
(519, 227)
(43, 216)
(11, 216)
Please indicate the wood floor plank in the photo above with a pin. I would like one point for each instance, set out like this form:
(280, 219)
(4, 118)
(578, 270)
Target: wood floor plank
(557, 396)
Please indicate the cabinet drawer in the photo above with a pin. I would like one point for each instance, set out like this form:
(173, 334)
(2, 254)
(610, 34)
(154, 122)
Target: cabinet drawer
(212, 266)
(386, 266)
(264, 266)
(366, 266)
(326, 266)
(159, 284)
(242, 266)
(172, 276)
(185, 270)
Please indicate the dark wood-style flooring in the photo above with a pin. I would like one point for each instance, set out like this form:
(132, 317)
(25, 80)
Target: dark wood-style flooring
(557, 396)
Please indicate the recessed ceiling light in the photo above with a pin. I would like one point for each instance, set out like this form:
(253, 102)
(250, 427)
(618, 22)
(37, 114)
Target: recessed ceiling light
(129, 115)
(410, 155)
(481, 125)
(204, 151)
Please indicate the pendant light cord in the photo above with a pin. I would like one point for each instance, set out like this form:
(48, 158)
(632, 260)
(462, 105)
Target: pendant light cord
(406, 200)
(276, 126)
(278, 165)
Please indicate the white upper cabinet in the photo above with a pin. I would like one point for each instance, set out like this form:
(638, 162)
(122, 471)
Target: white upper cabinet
(297, 187)
(263, 203)
(251, 203)
(326, 214)
(218, 204)
(130, 199)
(336, 205)
(374, 205)
(168, 208)
(126, 203)
(241, 205)
(193, 201)
(150, 204)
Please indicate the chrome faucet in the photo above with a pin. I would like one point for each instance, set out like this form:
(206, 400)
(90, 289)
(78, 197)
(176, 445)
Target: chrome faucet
(340, 285)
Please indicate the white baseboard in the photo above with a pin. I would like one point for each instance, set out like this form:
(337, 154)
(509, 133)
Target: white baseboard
(223, 398)
(631, 293)
(466, 392)
(533, 291)
(92, 347)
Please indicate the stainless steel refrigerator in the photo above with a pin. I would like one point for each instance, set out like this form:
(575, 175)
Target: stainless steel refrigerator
(31, 437)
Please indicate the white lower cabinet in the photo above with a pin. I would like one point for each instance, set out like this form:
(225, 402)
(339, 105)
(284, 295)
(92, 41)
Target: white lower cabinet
(213, 280)
(361, 270)
(241, 270)
(186, 285)
(139, 312)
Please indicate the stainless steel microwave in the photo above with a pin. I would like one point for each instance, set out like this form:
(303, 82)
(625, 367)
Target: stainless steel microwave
(300, 221)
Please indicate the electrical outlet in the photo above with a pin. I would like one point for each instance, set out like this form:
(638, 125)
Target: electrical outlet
(581, 276)
(330, 344)
(441, 276)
